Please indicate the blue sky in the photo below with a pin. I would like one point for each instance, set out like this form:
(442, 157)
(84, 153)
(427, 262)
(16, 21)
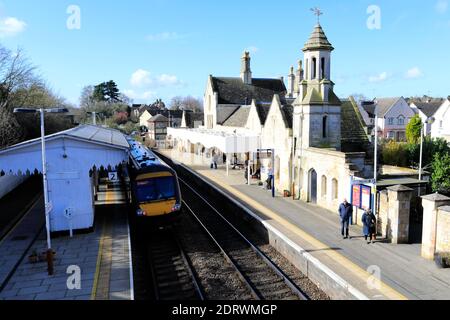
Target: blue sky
(163, 48)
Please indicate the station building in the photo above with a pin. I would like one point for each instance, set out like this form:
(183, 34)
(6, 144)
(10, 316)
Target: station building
(319, 141)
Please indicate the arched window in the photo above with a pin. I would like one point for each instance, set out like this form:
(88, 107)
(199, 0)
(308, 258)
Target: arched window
(300, 182)
(314, 68)
(324, 186)
(324, 127)
(335, 189)
(322, 68)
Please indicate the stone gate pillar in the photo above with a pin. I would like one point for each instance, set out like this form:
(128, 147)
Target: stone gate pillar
(443, 230)
(399, 213)
(430, 204)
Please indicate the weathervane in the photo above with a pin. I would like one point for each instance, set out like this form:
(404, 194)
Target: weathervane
(317, 12)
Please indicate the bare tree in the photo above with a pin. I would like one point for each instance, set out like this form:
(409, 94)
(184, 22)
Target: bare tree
(191, 103)
(15, 73)
(176, 103)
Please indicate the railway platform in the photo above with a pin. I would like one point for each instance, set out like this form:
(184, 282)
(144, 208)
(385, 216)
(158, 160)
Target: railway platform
(93, 265)
(315, 232)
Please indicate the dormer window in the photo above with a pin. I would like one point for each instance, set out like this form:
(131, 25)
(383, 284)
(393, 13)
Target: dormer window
(401, 120)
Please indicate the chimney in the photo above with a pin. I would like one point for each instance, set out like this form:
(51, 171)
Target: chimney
(246, 72)
(291, 82)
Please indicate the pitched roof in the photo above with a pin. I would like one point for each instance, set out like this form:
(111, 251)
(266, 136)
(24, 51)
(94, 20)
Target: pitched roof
(385, 104)
(158, 118)
(318, 40)
(287, 112)
(235, 91)
(353, 136)
(225, 111)
(428, 108)
(263, 110)
(239, 118)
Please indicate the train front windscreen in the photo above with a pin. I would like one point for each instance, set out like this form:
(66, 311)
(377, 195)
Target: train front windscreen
(156, 189)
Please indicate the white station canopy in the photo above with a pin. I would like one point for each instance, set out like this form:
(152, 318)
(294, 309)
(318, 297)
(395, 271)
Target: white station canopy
(239, 142)
(71, 155)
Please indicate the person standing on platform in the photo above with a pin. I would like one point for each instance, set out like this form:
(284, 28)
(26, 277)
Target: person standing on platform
(345, 213)
(369, 222)
(214, 159)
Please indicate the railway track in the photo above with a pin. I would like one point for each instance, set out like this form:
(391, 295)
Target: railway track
(172, 272)
(263, 278)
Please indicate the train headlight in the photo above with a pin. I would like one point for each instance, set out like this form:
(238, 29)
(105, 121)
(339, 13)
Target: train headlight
(176, 207)
(141, 212)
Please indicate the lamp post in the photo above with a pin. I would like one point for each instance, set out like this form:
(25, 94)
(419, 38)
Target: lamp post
(429, 121)
(48, 205)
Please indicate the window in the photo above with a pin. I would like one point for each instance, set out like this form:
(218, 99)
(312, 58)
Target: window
(324, 127)
(324, 186)
(401, 121)
(322, 68)
(307, 69)
(391, 121)
(155, 189)
(334, 189)
(314, 68)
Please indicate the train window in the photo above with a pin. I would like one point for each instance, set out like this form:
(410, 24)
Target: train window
(156, 189)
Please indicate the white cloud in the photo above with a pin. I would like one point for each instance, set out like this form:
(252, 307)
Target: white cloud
(413, 73)
(143, 78)
(11, 26)
(164, 36)
(441, 6)
(379, 78)
(140, 78)
(146, 95)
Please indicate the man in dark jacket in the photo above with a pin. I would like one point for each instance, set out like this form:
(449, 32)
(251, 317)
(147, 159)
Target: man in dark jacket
(345, 213)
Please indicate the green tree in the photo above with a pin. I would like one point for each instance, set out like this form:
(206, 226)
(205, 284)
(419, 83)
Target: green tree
(111, 91)
(395, 154)
(99, 93)
(441, 174)
(414, 129)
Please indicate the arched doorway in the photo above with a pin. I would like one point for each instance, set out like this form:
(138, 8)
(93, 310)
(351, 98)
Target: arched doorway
(312, 186)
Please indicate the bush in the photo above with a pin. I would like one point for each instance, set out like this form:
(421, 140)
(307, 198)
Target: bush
(441, 174)
(395, 154)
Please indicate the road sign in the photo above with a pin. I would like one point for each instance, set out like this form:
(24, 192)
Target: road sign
(367, 181)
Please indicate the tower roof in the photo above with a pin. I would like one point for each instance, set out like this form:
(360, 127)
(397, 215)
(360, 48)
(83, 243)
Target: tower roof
(318, 40)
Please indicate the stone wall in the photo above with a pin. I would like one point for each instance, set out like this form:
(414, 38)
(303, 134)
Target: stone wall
(443, 230)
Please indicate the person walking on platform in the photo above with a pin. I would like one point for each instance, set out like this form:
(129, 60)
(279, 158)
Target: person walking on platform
(345, 213)
(369, 222)
(214, 160)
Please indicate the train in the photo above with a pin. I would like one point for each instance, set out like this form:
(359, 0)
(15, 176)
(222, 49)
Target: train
(154, 187)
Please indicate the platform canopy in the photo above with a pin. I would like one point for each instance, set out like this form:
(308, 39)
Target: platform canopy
(77, 149)
(227, 142)
(71, 156)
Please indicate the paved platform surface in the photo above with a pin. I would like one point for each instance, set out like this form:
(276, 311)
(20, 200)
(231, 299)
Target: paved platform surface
(404, 274)
(102, 257)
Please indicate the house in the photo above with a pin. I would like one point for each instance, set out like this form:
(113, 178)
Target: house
(441, 126)
(225, 95)
(394, 115)
(192, 119)
(426, 110)
(174, 116)
(157, 130)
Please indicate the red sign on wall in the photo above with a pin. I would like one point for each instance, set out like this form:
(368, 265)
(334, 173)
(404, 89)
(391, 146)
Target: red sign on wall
(356, 196)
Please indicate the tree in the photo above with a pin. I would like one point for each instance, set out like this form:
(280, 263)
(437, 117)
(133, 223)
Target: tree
(176, 103)
(111, 91)
(99, 93)
(121, 118)
(414, 129)
(441, 174)
(16, 72)
(191, 103)
(87, 97)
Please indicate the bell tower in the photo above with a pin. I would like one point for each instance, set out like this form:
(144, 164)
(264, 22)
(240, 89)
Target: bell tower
(317, 110)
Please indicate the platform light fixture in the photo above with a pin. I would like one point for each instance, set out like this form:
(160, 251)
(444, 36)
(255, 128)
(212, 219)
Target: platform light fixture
(48, 205)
